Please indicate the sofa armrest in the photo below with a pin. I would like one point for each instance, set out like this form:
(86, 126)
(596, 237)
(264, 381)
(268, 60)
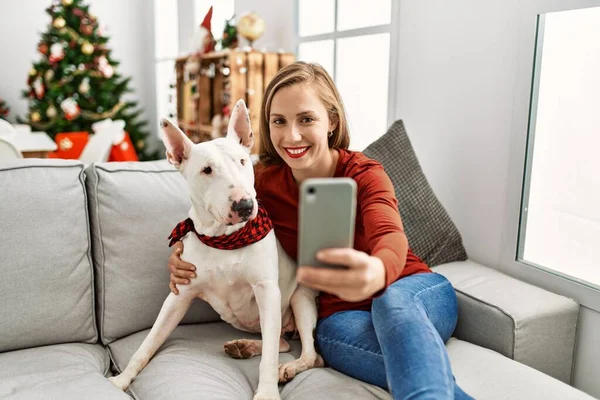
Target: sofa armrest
(521, 321)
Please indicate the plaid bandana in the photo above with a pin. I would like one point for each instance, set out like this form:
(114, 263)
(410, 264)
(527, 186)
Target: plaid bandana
(254, 230)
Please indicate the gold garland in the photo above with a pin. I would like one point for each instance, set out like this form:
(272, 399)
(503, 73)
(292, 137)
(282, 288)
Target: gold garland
(106, 114)
(69, 78)
(42, 126)
(70, 31)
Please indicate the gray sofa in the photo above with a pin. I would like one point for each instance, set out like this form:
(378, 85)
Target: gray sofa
(83, 254)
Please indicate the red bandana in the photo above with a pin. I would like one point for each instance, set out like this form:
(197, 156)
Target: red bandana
(254, 230)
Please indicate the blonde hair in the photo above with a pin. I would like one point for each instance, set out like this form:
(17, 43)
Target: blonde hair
(312, 74)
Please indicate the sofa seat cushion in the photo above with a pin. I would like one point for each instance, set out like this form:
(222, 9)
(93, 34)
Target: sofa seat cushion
(192, 365)
(62, 371)
(485, 374)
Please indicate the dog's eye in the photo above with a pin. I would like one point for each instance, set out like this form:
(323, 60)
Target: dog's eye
(243, 161)
(207, 170)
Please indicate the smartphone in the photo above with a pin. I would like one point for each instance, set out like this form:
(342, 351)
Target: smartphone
(326, 217)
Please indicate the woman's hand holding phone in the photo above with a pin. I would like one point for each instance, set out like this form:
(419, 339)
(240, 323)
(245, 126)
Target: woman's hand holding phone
(363, 277)
(326, 235)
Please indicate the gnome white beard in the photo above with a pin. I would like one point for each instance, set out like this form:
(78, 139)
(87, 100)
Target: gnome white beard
(200, 40)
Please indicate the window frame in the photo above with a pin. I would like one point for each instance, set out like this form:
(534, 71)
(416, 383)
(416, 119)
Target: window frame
(392, 28)
(508, 260)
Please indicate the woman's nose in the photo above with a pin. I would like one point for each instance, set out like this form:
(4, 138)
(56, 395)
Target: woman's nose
(295, 133)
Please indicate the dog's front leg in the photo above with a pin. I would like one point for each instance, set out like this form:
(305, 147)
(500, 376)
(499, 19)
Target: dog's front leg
(305, 316)
(268, 299)
(171, 313)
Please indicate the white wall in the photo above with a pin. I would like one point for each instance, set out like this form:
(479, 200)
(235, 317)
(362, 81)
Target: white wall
(463, 85)
(128, 25)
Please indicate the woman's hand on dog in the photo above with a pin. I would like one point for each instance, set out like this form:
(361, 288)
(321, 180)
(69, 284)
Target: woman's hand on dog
(181, 271)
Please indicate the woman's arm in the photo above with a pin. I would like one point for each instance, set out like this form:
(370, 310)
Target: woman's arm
(382, 223)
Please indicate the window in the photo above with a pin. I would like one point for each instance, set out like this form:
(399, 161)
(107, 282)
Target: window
(560, 216)
(352, 40)
(166, 47)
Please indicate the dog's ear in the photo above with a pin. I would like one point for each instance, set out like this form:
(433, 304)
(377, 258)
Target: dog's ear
(177, 143)
(239, 128)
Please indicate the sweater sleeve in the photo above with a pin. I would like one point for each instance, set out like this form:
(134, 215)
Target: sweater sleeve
(383, 227)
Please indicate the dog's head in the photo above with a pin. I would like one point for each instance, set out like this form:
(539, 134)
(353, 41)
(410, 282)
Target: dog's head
(219, 172)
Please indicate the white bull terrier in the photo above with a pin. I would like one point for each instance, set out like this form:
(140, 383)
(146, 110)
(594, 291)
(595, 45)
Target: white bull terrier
(253, 288)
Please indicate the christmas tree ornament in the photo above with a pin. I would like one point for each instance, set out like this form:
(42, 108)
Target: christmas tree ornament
(59, 23)
(104, 67)
(203, 40)
(49, 75)
(43, 48)
(32, 72)
(70, 108)
(67, 2)
(51, 112)
(35, 116)
(81, 67)
(38, 87)
(84, 86)
(86, 29)
(87, 48)
(251, 26)
(57, 52)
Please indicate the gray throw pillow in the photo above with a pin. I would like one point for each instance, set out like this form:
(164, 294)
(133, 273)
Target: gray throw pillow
(431, 233)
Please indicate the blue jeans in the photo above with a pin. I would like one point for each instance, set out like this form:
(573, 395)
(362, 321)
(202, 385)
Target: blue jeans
(399, 345)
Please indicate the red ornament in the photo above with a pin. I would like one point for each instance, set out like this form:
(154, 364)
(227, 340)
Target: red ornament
(43, 48)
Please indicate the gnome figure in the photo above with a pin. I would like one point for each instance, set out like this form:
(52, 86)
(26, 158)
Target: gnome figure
(203, 40)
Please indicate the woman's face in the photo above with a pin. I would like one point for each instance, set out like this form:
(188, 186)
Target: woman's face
(299, 124)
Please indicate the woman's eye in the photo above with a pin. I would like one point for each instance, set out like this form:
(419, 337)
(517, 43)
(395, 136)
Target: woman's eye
(277, 121)
(242, 161)
(207, 170)
(307, 119)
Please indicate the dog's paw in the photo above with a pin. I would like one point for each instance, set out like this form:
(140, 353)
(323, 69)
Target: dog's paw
(242, 348)
(267, 396)
(119, 382)
(289, 370)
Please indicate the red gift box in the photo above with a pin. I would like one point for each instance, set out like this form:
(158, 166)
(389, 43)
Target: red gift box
(71, 144)
(123, 151)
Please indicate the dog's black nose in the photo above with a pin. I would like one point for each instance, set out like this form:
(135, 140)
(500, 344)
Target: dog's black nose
(243, 208)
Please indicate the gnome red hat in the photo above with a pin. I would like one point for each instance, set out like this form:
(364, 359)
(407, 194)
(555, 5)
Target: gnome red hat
(203, 40)
(207, 18)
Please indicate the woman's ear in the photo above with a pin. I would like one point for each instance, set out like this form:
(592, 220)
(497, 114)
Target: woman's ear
(333, 122)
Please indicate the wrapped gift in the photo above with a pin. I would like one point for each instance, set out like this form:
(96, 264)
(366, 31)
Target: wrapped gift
(70, 145)
(123, 149)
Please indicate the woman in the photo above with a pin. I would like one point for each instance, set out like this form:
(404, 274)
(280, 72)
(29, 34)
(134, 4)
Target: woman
(386, 317)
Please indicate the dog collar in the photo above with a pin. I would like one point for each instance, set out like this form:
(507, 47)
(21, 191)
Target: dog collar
(254, 230)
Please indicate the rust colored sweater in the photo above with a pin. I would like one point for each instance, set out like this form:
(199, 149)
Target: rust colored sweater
(378, 225)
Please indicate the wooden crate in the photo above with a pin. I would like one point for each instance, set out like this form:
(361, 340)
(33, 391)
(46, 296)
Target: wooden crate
(220, 79)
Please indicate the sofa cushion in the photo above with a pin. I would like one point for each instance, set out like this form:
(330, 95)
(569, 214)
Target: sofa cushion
(134, 207)
(194, 354)
(64, 371)
(192, 364)
(46, 290)
(430, 231)
(514, 318)
(485, 374)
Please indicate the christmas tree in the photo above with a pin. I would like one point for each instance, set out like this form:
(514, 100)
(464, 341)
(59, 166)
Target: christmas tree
(76, 83)
(4, 109)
